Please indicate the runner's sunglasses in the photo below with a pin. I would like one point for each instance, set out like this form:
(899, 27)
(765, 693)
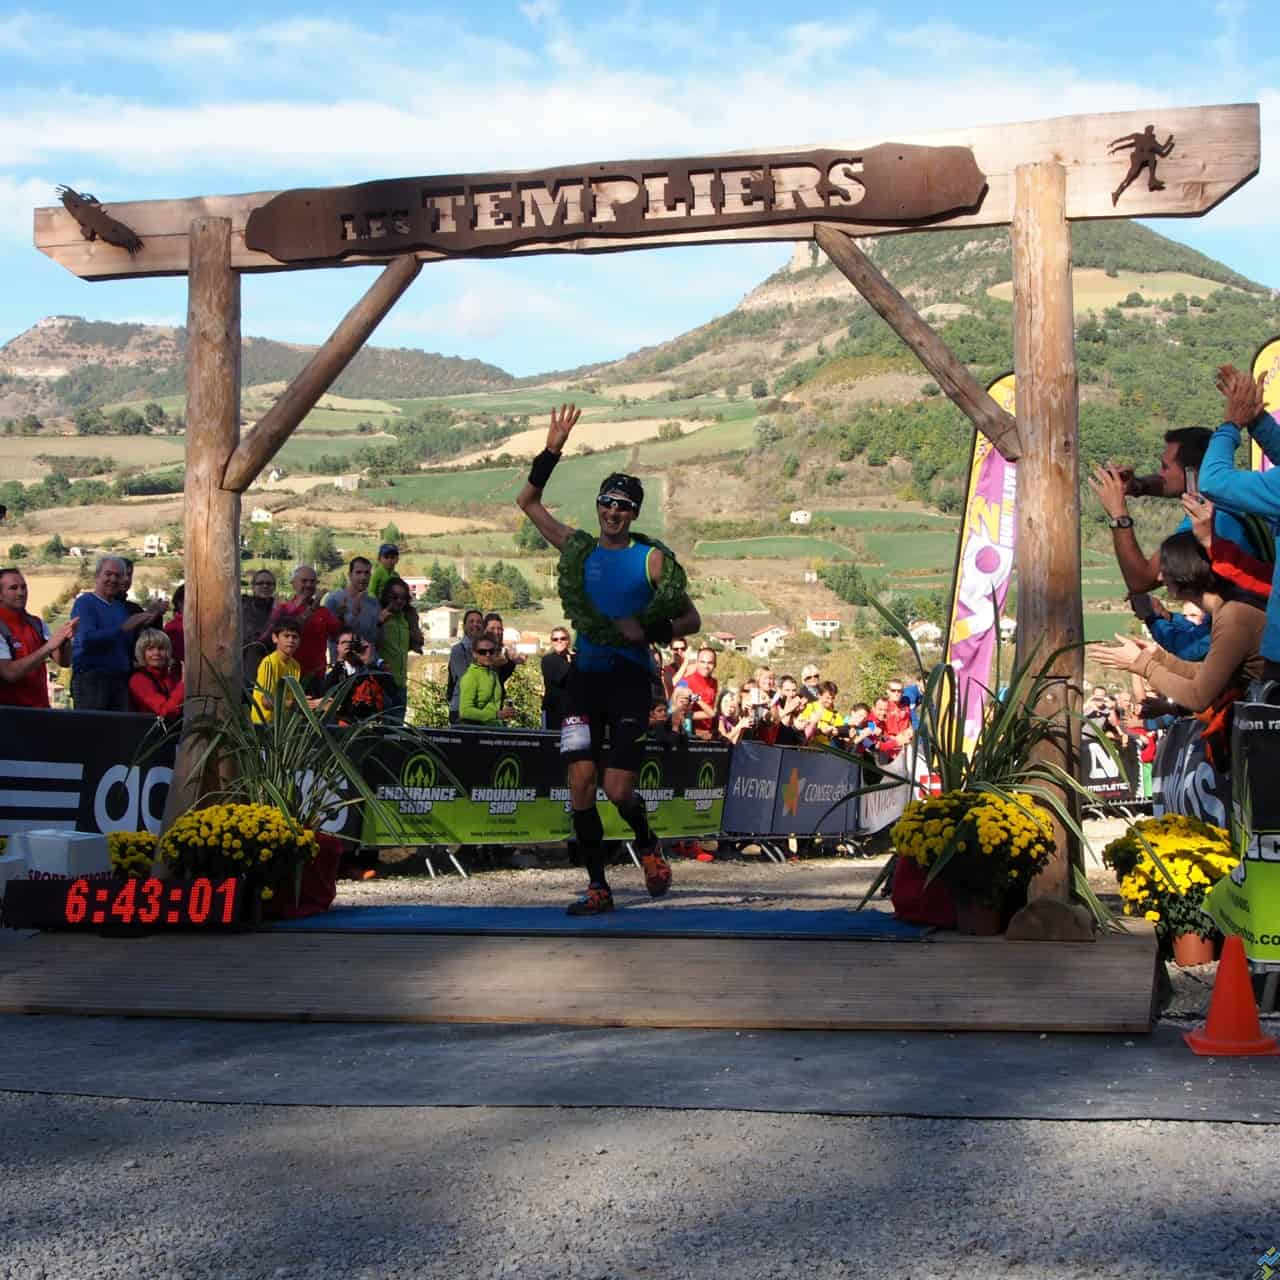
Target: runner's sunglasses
(616, 504)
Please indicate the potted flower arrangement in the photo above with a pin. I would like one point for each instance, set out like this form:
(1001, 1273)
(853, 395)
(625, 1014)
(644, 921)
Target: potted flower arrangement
(254, 841)
(1164, 867)
(132, 854)
(997, 843)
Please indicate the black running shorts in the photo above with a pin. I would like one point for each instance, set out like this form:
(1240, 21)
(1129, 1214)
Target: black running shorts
(606, 716)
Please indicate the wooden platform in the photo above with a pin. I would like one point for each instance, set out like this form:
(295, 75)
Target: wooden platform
(948, 983)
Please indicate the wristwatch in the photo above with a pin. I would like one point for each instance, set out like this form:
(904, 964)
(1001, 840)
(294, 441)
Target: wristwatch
(1120, 522)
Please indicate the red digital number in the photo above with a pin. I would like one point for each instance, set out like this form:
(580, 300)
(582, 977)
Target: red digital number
(228, 891)
(126, 902)
(76, 904)
(201, 900)
(149, 911)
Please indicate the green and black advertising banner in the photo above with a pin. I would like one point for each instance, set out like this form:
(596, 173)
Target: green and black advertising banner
(474, 786)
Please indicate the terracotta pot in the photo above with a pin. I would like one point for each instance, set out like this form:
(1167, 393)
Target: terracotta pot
(979, 918)
(1191, 948)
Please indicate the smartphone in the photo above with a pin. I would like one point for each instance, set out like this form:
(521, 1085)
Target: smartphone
(1193, 480)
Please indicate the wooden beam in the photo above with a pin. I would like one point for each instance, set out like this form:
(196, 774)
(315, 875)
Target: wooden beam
(1217, 149)
(212, 514)
(301, 395)
(962, 388)
(1050, 615)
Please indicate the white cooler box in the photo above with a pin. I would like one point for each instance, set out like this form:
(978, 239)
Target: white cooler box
(52, 854)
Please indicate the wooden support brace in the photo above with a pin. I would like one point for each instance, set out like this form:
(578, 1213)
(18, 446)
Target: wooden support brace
(961, 387)
(302, 394)
(1050, 613)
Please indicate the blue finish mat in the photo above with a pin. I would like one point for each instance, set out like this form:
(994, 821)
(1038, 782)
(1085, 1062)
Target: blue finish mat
(637, 922)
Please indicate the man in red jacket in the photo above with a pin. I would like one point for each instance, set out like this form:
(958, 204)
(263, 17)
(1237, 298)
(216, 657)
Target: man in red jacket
(25, 645)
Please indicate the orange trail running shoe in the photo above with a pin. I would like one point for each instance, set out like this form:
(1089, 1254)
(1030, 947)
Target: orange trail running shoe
(596, 901)
(657, 873)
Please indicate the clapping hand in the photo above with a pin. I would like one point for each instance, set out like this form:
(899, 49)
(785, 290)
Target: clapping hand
(1123, 654)
(1244, 396)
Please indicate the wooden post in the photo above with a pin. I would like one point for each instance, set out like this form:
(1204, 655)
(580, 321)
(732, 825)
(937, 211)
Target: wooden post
(212, 517)
(961, 387)
(301, 395)
(1048, 501)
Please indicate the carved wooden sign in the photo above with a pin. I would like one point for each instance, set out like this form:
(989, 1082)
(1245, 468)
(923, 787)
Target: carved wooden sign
(894, 183)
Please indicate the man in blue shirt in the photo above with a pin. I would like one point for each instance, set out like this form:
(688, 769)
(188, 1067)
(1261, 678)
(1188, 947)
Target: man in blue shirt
(609, 690)
(102, 650)
(1254, 492)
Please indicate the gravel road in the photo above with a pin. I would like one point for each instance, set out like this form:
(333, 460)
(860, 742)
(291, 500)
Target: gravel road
(125, 1189)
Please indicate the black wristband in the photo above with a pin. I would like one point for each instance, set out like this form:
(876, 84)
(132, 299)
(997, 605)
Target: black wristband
(543, 465)
(659, 631)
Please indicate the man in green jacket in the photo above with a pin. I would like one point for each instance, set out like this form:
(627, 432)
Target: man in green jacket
(480, 690)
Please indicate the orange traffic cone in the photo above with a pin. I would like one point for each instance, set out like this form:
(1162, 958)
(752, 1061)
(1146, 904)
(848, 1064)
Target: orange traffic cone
(1232, 1029)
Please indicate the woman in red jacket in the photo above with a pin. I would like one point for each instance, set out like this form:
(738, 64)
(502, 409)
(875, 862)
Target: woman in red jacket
(155, 688)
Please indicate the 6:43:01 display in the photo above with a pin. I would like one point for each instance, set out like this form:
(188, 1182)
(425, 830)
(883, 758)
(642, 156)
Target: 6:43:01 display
(153, 903)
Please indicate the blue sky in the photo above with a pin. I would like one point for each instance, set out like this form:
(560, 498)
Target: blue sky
(158, 102)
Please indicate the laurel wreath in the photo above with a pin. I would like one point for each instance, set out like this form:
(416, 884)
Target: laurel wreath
(669, 595)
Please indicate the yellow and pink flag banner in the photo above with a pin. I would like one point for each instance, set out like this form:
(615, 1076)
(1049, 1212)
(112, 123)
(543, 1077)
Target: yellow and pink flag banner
(984, 565)
(1266, 365)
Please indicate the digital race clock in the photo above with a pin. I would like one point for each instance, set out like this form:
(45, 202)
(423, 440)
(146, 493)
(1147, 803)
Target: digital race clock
(134, 904)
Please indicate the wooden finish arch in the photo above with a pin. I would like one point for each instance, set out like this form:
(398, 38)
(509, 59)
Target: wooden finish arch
(1036, 177)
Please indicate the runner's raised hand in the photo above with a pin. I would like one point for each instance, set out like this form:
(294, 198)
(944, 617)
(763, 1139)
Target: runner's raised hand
(563, 420)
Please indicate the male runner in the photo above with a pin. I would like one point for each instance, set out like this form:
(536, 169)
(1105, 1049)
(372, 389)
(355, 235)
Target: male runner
(622, 593)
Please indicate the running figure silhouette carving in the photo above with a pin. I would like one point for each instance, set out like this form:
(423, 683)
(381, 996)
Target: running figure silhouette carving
(1147, 150)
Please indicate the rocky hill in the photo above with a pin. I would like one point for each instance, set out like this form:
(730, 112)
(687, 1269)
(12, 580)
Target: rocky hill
(65, 363)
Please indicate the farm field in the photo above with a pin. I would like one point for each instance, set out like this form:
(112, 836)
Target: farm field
(529, 400)
(706, 442)
(18, 453)
(576, 484)
(773, 548)
(1093, 289)
(719, 595)
(301, 450)
(912, 550)
(873, 518)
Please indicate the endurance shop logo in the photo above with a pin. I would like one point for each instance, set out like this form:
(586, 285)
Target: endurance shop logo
(504, 791)
(418, 791)
(650, 785)
(706, 792)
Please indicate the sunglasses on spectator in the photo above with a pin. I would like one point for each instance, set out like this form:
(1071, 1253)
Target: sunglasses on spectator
(558, 639)
(616, 504)
(483, 653)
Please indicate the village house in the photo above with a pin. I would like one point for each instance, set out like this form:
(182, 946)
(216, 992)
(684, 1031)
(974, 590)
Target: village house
(441, 623)
(260, 515)
(926, 633)
(155, 544)
(822, 625)
(801, 517)
(767, 641)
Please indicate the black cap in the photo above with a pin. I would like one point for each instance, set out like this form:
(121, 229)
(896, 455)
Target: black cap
(621, 483)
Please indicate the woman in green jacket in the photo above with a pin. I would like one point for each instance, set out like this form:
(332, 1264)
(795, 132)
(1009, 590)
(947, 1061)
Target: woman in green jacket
(480, 690)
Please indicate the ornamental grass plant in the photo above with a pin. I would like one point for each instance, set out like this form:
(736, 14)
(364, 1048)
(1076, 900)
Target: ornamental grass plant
(1011, 761)
(1165, 866)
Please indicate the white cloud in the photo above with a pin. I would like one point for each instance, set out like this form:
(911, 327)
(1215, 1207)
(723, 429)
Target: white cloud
(18, 197)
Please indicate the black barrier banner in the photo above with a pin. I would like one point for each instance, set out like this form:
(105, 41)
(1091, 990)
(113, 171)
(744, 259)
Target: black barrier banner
(1108, 778)
(1183, 780)
(73, 771)
(1255, 748)
(753, 789)
(473, 786)
(810, 782)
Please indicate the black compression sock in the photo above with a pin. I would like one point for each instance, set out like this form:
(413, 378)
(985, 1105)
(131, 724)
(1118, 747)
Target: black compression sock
(589, 831)
(633, 813)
